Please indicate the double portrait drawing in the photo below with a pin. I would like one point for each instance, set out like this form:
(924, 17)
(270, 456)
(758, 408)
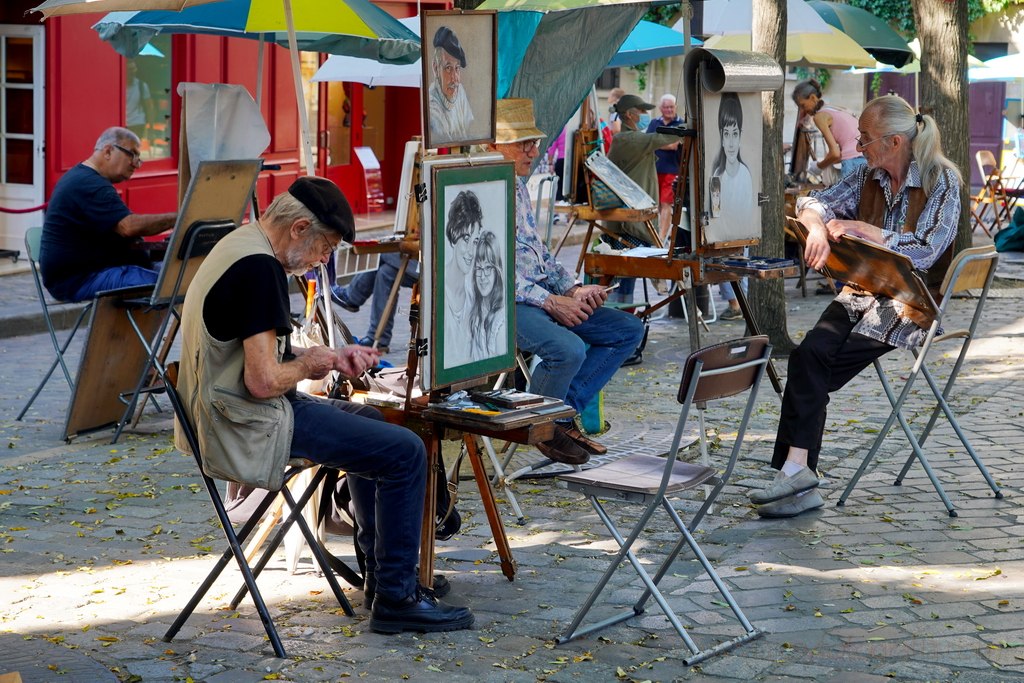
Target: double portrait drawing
(471, 264)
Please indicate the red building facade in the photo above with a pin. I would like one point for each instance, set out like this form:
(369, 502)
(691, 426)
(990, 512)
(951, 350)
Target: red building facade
(63, 86)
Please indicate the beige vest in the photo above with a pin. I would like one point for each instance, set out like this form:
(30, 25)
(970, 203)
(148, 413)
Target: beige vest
(241, 438)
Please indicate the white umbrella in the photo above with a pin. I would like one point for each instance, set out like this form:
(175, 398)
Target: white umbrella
(728, 17)
(1008, 68)
(371, 72)
(54, 8)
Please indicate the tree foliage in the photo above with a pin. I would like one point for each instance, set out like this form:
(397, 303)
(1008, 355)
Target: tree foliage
(900, 13)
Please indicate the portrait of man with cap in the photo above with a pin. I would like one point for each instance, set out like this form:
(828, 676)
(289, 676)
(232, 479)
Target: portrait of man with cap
(450, 115)
(237, 380)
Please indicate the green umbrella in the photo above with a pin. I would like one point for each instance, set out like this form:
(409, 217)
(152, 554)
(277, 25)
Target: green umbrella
(870, 32)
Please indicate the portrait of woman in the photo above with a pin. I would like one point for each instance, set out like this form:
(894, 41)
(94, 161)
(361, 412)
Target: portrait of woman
(734, 177)
(487, 315)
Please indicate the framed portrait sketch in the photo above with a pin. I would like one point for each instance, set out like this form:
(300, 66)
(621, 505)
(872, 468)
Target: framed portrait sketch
(732, 166)
(459, 77)
(468, 269)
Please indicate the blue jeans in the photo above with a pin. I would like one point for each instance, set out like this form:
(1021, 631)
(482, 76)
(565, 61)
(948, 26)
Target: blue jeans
(115, 278)
(847, 166)
(576, 362)
(378, 283)
(387, 468)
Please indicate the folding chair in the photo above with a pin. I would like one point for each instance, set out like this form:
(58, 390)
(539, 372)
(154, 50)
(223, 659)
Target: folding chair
(710, 373)
(32, 240)
(235, 539)
(995, 191)
(972, 269)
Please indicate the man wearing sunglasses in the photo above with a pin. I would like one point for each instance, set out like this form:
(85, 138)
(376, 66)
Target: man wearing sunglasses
(90, 238)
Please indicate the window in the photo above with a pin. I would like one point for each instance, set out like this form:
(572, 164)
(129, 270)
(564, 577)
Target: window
(147, 86)
(608, 79)
(17, 82)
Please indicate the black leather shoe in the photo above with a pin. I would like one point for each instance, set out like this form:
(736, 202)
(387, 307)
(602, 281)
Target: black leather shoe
(420, 612)
(441, 588)
(561, 448)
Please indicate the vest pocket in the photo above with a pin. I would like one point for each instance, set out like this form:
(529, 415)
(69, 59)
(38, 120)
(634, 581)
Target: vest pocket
(242, 410)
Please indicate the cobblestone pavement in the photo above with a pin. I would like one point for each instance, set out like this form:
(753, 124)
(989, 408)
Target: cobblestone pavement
(102, 544)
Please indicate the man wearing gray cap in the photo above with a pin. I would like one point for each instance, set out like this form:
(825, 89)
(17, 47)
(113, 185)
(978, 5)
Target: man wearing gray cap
(450, 114)
(237, 380)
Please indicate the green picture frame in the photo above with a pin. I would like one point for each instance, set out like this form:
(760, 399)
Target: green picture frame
(468, 270)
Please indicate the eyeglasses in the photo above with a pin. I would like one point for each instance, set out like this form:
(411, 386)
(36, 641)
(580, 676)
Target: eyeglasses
(528, 145)
(331, 248)
(860, 140)
(133, 155)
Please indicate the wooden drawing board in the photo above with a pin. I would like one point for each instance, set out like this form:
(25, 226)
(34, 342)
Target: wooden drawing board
(874, 269)
(112, 360)
(219, 190)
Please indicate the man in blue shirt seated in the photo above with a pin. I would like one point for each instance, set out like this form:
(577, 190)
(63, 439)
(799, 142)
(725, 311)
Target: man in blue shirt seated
(90, 238)
(580, 342)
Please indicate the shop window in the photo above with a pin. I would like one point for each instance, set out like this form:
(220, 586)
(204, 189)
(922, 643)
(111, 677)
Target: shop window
(148, 98)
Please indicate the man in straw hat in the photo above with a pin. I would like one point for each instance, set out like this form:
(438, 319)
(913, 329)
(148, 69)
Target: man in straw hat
(581, 344)
(238, 376)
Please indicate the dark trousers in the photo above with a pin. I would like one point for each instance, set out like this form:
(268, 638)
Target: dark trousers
(829, 357)
(387, 472)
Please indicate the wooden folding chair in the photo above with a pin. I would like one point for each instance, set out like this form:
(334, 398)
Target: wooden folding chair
(711, 373)
(972, 269)
(995, 193)
(32, 240)
(235, 539)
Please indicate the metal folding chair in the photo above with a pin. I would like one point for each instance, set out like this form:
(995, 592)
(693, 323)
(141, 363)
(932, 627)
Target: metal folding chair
(995, 193)
(972, 269)
(200, 238)
(711, 373)
(32, 240)
(235, 539)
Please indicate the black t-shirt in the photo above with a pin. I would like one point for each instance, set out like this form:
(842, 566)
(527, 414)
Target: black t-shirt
(79, 236)
(249, 298)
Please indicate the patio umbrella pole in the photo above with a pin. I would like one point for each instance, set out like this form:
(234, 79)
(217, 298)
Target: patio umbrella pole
(259, 74)
(297, 78)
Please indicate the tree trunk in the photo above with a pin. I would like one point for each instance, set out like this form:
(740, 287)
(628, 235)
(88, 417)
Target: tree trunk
(768, 297)
(942, 28)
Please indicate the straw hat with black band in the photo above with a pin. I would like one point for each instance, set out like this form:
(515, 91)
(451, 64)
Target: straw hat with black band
(514, 121)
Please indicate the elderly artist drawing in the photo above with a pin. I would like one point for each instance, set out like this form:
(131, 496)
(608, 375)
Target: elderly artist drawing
(450, 114)
(581, 344)
(238, 376)
(907, 198)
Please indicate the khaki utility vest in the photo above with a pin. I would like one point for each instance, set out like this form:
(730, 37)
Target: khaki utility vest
(241, 438)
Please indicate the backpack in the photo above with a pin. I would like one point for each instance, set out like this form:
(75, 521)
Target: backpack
(1011, 238)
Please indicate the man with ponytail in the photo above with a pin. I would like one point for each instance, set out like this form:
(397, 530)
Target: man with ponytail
(907, 198)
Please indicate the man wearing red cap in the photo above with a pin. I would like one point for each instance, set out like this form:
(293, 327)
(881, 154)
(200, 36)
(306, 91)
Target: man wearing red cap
(238, 376)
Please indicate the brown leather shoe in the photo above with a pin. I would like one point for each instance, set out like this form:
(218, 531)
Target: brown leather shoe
(561, 448)
(581, 439)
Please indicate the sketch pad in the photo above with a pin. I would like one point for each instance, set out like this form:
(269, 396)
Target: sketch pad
(874, 269)
(632, 195)
(219, 191)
